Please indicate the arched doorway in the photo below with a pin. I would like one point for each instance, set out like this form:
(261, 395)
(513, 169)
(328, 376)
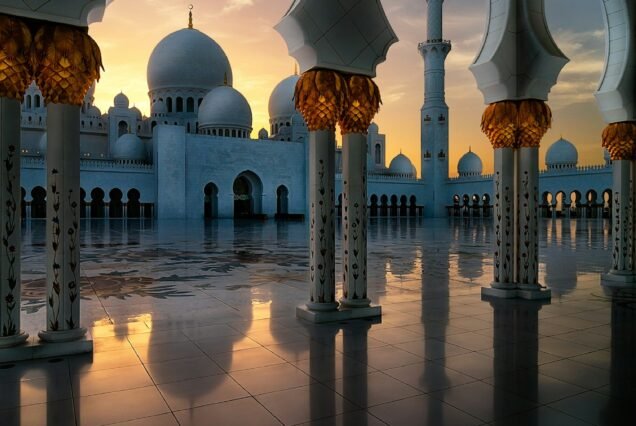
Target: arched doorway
(115, 207)
(97, 203)
(248, 191)
(38, 204)
(282, 204)
(133, 207)
(210, 201)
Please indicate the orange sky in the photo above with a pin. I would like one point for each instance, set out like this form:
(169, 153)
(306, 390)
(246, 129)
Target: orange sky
(259, 60)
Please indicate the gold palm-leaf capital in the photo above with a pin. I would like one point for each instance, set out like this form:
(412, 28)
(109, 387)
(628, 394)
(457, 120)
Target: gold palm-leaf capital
(362, 104)
(15, 69)
(66, 61)
(499, 124)
(620, 140)
(320, 96)
(534, 119)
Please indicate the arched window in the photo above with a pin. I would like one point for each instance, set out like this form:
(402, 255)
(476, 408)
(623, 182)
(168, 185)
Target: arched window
(179, 104)
(378, 154)
(37, 101)
(169, 104)
(227, 133)
(190, 105)
(28, 102)
(233, 133)
(122, 128)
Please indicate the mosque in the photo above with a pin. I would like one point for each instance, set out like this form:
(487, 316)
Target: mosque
(197, 155)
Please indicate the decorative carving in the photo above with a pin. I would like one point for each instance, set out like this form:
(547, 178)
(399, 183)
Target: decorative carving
(15, 45)
(320, 96)
(362, 105)
(11, 253)
(620, 140)
(514, 124)
(66, 61)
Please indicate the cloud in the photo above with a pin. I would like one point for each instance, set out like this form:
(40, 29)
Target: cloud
(234, 5)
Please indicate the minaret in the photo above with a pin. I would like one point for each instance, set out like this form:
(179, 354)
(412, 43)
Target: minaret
(434, 118)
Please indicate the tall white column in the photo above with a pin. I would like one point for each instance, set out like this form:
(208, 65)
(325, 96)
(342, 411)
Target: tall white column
(354, 220)
(504, 208)
(622, 219)
(322, 244)
(10, 196)
(62, 224)
(527, 210)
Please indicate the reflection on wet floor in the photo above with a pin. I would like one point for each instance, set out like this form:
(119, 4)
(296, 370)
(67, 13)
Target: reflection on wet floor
(195, 321)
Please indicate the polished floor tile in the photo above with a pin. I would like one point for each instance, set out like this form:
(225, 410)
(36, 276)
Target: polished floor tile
(202, 391)
(240, 412)
(308, 403)
(195, 324)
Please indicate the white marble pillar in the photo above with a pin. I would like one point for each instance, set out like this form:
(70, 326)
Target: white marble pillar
(504, 209)
(322, 244)
(62, 225)
(354, 220)
(622, 219)
(527, 220)
(10, 196)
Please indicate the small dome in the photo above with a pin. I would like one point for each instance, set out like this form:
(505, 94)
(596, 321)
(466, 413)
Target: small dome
(129, 147)
(225, 107)
(561, 154)
(262, 134)
(373, 128)
(93, 111)
(137, 112)
(121, 101)
(188, 59)
(401, 165)
(470, 165)
(281, 101)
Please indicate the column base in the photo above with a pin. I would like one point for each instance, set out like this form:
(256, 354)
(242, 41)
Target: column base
(11, 341)
(355, 303)
(342, 314)
(35, 348)
(322, 307)
(618, 280)
(539, 293)
(62, 336)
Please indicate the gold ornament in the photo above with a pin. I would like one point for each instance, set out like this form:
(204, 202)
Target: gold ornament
(15, 70)
(362, 105)
(534, 118)
(499, 123)
(320, 97)
(516, 124)
(620, 140)
(66, 61)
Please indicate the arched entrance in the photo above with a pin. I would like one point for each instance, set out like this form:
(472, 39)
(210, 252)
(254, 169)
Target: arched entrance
(210, 201)
(282, 205)
(248, 191)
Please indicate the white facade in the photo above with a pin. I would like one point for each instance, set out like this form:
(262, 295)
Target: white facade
(194, 157)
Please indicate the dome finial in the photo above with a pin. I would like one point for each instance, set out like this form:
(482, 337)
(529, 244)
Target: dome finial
(190, 19)
(470, 148)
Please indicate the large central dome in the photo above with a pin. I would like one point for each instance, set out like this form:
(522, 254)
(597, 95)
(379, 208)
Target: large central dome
(188, 59)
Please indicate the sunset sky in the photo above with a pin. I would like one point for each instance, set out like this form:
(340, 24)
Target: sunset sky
(259, 59)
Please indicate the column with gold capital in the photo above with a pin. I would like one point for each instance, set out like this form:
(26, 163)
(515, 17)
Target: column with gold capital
(320, 96)
(515, 70)
(362, 105)
(15, 76)
(66, 62)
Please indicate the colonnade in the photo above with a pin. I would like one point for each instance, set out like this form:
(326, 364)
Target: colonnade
(64, 61)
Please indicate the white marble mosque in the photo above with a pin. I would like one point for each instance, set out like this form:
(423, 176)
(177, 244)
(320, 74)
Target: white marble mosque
(226, 168)
(478, 300)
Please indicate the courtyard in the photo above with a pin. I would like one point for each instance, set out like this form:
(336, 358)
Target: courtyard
(194, 323)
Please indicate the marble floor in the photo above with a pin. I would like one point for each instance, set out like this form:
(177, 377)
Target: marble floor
(194, 324)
